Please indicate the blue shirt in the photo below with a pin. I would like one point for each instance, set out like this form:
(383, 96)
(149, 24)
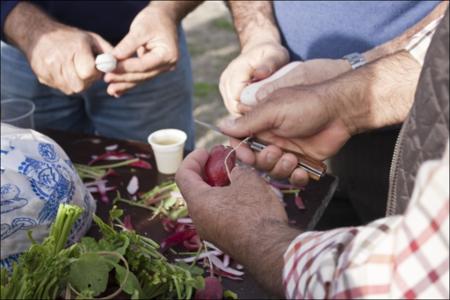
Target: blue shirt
(332, 29)
(110, 19)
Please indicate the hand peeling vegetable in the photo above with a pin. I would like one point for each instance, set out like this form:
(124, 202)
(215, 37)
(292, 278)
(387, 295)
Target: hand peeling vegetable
(215, 169)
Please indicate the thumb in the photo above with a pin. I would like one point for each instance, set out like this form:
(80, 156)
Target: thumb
(127, 46)
(84, 63)
(262, 72)
(100, 45)
(260, 118)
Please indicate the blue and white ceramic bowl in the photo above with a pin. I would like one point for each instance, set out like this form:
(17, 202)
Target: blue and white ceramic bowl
(36, 176)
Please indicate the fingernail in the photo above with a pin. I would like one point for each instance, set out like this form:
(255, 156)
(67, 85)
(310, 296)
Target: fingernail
(286, 165)
(271, 157)
(228, 122)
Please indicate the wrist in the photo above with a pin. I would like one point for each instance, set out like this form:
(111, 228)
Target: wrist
(344, 99)
(174, 10)
(259, 36)
(165, 8)
(25, 25)
(266, 247)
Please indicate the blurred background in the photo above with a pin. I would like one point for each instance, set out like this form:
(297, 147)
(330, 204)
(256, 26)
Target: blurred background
(212, 44)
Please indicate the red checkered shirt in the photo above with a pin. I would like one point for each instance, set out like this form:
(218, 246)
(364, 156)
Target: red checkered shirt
(396, 257)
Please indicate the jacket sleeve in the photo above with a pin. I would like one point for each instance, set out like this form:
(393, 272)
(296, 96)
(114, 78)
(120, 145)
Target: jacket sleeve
(6, 8)
(397, 257)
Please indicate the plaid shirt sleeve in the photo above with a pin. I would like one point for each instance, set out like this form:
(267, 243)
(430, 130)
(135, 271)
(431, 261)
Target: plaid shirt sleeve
(397, 257)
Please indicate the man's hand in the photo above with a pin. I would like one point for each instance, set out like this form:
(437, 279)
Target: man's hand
(62, 57)
(302, 73)
(153, 37)
(299, 119)
(317, 120)
(261, 51)
(65, 59)
(255, 63)
(260, 233)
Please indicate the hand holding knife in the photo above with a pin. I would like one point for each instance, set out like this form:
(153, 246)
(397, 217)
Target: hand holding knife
(315, 169)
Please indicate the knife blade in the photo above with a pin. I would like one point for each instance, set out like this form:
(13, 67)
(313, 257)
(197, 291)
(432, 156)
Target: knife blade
(315, 169)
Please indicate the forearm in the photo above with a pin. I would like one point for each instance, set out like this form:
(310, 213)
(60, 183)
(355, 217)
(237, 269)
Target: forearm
(176, 9)
(375, 96)
(262, 253)
(254, 21)
(398, 43)
(25, 24)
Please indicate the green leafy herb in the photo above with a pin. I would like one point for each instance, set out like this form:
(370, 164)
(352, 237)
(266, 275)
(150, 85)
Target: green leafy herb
(43, 270)
(46, 270)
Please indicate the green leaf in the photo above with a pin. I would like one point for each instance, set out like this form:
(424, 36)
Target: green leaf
(115, 213)
(132, 284)
(90, 272)
(89, 244)
(230, 295)
(194, 270)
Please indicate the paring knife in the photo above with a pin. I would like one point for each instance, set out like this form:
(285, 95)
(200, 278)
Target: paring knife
(314, 168)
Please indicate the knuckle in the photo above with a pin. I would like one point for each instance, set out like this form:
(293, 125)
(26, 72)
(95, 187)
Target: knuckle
(77, 87)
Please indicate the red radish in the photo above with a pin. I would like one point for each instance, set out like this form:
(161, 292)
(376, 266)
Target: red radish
(213, 289)
(177, 238)
(215, 170)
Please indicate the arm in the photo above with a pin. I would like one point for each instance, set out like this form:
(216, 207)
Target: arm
(260, 234)
(375, 261)
(318, 119)
(177, 9)
(153, 36)
(342, 263)
(319, 70)
(70, 68)
(254, 22)
(6, 8)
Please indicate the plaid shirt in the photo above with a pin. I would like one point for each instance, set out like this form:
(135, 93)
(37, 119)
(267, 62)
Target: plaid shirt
(396, 257)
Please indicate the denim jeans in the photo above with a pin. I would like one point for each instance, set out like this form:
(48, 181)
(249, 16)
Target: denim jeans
(162, 102)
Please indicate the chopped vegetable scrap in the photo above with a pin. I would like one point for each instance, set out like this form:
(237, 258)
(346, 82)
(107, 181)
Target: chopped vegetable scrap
(163, 200)
(133, 185)
(281, 189)
(98, 173)
(83, 270)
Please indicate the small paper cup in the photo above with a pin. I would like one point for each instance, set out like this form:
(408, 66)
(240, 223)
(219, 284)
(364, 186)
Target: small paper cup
(167, 145)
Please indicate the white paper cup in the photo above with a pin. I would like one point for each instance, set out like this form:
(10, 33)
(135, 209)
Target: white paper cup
(167, 145)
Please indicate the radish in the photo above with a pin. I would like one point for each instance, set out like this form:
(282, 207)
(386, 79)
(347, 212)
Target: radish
(248, 95)
(213, 289)
(215, 170)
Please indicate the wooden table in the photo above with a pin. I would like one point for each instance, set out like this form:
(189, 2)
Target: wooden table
(80, 149)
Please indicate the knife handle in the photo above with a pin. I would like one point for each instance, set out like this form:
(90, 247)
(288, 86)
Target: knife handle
(315, 169)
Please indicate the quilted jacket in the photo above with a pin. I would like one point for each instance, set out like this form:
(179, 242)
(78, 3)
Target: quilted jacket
(426, 131)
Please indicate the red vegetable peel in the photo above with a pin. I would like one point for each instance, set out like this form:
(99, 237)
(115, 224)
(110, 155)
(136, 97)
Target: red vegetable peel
(217, 165)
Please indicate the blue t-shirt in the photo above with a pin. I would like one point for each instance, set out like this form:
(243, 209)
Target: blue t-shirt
(332, 29)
